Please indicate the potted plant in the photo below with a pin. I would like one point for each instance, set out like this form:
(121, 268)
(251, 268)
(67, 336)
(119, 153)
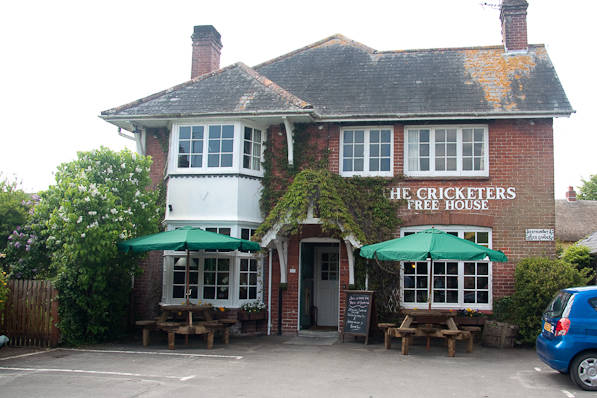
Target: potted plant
(252, 311)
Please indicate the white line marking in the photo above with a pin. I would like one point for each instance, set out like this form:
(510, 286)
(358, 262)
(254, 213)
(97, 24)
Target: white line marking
(27, 355)
(157, 353)
(568, 394)
(538, 369)
(95, 372)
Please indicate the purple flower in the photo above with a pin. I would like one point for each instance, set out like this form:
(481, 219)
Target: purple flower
(27, 248)
(17, 244)
(19, 228)
(29, 241)
(9, 237)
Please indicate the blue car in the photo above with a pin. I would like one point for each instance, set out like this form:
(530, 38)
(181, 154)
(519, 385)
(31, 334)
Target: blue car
(568, 340)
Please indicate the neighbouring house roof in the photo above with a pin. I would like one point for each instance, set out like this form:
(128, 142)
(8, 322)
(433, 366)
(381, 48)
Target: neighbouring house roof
(575, 220)
(339, 78)
(590, 242)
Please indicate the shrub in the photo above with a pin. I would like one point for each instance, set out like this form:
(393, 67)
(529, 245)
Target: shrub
(537, 281)
(503, 309)
(97, 200)
(14, 206)
(3, 290)
(578, 255)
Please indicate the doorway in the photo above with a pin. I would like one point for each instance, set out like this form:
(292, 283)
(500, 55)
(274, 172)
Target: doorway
(320, 274)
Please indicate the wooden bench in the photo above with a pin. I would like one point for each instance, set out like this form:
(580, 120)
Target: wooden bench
(148, 326)
(473, 331)
(405, 334)
(385, 327)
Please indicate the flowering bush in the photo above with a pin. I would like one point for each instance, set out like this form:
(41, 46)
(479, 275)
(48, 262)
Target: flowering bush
(98, 199)
(25, 255)
(14, 206)
(254, 306)
(3, 290)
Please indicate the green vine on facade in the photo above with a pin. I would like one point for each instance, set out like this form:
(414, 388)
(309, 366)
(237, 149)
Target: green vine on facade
(360, 205)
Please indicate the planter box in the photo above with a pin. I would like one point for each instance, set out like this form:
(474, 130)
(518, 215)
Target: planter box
(499, 334)
(251, 316)
(471, 320)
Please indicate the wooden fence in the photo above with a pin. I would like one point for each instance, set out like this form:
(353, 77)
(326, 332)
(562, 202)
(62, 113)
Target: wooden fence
(31, 314)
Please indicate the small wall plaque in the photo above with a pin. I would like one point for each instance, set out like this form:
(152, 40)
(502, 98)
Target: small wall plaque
(540, 235)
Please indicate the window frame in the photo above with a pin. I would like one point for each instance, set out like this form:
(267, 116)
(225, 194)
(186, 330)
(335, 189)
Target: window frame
(461, 304)
(366, 152)
(237, 148)
(459, 172)
(234, 256)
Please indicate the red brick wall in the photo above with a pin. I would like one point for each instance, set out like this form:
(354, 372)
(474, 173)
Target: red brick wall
(147, 291)
(520, 156)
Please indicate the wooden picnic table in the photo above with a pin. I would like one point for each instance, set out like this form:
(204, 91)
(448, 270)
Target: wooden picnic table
(429, 324)
(168, 323)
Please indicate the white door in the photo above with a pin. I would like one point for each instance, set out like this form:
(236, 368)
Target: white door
(326, 297)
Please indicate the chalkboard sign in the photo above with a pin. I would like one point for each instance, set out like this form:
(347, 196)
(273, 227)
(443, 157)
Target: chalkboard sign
(357, 318)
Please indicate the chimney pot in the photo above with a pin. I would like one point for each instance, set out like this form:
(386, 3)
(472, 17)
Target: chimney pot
(513, 15)
(571, 195)
(207, 44)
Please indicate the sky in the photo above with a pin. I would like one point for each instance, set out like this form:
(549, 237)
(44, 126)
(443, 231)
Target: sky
(63, 62)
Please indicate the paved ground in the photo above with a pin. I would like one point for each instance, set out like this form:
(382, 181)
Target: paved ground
(278, 367)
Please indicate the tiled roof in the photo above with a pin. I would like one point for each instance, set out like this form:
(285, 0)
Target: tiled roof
(575, 220)
(341, 78)
(234, 89)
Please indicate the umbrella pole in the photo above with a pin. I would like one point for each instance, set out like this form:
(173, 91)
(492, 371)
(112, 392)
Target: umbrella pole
(186, 291)
(430, 284)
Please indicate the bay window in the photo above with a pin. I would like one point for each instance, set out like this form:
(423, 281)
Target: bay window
(366, 151)
(446, 151)
(223, 278)
(454, 284)
(217, 148)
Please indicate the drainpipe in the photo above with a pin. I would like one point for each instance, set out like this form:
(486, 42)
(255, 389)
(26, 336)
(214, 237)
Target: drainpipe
(280, 311)
(269, 295)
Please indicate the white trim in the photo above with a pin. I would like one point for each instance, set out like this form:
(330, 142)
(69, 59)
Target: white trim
(367, 134)
(447, 173)
(282, 248)
(289, 139)
(461, 304)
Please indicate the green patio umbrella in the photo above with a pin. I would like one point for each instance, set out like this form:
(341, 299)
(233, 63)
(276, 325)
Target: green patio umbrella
(430, 244)
(186, 238)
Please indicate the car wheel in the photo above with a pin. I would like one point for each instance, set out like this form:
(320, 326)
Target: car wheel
(583, 371)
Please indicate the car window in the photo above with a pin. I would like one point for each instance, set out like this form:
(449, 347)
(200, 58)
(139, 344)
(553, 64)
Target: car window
(557, 305)
(593, 303)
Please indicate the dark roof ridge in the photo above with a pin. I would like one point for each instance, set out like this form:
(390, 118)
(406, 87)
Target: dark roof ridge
(270, 85)
(440, 49)
(336, 36)
(168, 90)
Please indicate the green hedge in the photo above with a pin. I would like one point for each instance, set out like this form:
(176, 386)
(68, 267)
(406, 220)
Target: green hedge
(537, 281)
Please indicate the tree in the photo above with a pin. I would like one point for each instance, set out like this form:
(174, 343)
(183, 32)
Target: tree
(14, 206)
(98, 199)
(588, 190)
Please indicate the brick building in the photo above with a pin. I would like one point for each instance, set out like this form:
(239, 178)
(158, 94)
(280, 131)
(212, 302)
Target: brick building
(468, 129)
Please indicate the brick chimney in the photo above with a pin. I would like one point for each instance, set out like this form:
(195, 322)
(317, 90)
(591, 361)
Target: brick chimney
(571, 195)
(513, 15)
(207, 45)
